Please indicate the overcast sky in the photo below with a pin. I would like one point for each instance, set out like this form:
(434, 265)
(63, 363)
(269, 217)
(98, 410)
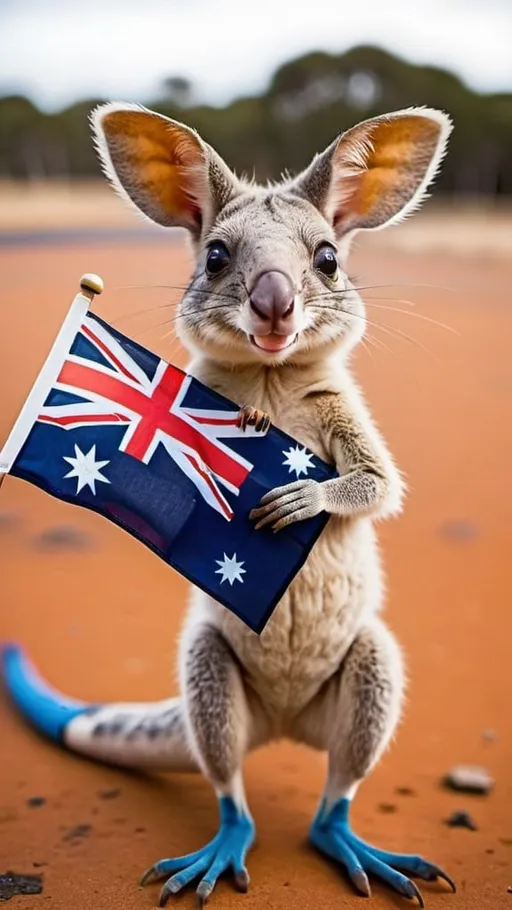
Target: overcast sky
(122, 49)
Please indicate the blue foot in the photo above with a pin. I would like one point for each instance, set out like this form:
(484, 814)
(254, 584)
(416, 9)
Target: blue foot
(227, 850)
(331, 833)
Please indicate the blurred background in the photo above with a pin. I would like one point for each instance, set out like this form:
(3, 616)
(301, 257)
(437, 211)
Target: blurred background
(268, 84)
(268, 87)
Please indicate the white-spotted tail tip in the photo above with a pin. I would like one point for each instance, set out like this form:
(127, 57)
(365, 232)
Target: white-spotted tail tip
(91, 283)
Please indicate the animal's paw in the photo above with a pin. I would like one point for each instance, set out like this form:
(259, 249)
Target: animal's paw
(253, 417)
(331, 833)
(293, 502)
(227, 850)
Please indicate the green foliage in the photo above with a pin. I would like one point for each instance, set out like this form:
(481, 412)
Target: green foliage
(308, 102)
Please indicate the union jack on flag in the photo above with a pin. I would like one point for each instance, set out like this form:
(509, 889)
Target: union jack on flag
(112, 427)
(116, 390)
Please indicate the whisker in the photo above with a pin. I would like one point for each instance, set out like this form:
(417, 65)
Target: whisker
(394, 332)
(150, 287)
(410, 303)
(155, 325)
(387, 329)
(174, 303)
(337, 295)
(380, 306)
(372, 287)
(174, 347)
(160, 306)
(172, 331)
(189, 312)
(379, 344)
(401, 284)
(209, 291)
(368, 350)
(208, 309)
(175, 287)
(393, 309)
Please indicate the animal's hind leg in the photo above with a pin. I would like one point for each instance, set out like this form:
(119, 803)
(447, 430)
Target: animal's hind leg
(222, 721)
(353, 718)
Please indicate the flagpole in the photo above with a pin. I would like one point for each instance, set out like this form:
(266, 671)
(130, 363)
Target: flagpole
(90, 286)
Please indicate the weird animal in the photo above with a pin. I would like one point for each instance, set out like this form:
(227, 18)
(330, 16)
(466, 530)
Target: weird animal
(270, 318)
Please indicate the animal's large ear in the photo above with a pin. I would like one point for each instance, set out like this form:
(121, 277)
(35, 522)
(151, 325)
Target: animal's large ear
(378, 171)
(163, 167)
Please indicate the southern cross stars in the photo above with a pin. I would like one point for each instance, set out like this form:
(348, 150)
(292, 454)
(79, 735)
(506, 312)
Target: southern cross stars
(230, 569)
(298, 460)
(86, 469)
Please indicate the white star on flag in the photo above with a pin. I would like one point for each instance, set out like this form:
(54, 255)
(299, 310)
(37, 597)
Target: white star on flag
(298, 460)
(86, 469)
(230, 569)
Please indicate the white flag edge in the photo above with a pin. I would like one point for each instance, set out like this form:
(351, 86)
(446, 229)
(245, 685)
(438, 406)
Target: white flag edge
(44, 382)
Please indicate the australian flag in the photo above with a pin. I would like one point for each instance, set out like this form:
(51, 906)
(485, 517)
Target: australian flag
(113, 428)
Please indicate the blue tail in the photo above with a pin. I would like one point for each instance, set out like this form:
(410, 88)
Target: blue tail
(45, 708)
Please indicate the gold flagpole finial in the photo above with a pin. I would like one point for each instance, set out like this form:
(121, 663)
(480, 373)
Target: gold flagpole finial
(91, 285)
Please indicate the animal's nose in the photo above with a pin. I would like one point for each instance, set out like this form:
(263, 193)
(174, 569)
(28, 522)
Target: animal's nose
(272, 297)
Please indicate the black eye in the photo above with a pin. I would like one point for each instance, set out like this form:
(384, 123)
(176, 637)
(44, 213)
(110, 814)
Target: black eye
(325, 260)
(217, 259)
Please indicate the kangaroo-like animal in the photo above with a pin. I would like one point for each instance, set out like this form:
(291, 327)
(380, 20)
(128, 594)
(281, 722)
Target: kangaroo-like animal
(270, 318)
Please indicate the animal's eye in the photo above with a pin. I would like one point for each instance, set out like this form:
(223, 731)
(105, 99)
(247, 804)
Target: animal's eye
(325, 260)
(217, 259)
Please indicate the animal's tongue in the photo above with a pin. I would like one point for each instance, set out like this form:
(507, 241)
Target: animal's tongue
(273, 342)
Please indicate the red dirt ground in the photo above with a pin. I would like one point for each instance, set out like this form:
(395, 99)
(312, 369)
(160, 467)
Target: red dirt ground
(101, 620)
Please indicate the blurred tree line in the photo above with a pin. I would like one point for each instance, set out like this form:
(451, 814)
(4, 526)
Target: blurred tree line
(308, 101)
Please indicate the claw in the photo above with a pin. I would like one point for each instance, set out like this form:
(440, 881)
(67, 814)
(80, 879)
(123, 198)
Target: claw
(361, 882)
(432, 873)
(411, 890)
(204, 889)
(447, 878)
(331, 833)
(150, 875)
(226, 851)
(417, 866)
(165, 894)
(242, 881)
(253, 417)
(243, 416)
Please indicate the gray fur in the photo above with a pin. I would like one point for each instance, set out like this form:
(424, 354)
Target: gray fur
(355, 713)
(325, 671)
(213, 688)
(138, 735)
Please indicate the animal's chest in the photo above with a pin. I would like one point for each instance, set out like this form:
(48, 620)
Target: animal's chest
(300, 421)
(287, 405)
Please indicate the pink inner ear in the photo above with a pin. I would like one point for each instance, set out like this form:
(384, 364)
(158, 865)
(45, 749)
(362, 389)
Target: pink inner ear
(379, 169)
(160, 164)
(344, 197)
(196, 214)
(192, 205)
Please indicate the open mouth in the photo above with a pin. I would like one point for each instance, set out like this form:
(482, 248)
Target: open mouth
(273, 343)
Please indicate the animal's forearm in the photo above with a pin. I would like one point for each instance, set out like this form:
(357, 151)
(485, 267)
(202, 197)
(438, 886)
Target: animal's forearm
(369, 483)
(361, 492)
